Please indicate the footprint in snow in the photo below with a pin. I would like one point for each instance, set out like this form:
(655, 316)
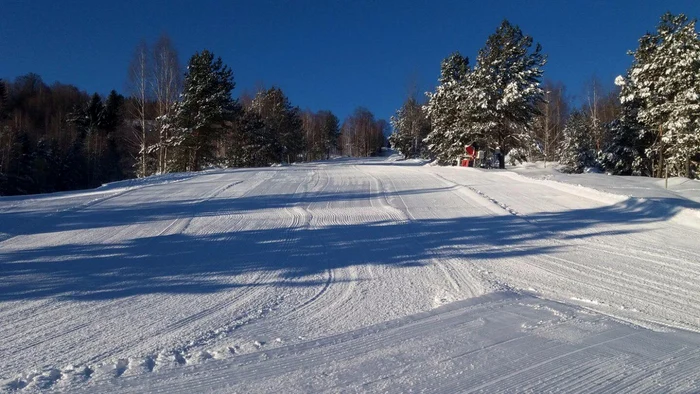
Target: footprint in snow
(120, 367)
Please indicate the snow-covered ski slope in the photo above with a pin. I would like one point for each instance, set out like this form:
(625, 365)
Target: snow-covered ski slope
(348, 275)
(676, 190)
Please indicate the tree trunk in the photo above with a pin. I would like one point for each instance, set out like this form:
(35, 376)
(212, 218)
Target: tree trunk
(143, 148)
(502, 155)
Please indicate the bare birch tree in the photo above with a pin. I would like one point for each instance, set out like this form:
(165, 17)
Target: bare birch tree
(361, 134)
(549, 125)
(139, 92)
(166, 83)
(602, 107)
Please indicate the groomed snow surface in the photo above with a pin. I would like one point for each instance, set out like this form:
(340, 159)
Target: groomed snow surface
(356, 276)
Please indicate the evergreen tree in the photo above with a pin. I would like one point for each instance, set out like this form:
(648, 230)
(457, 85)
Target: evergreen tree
(112, 119)
(73, 171)
(284, 121)
(262, 147)
(627, 152)
(250, 143)
(45, 166)
(89, 119)
(19, 179)
(58, 138)
(578, 148)
(96, 124)
(201, 114)
(331, 129)
(665, 81)
(449, 110)
(113, 112)
(411, 126)
(400, 139)
(507, 89)
(235, 143)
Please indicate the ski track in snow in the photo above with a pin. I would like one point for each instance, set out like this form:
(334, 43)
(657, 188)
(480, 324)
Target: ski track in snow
(358, 275)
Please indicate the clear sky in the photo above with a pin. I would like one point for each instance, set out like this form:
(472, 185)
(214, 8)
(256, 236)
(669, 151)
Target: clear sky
(324, 54)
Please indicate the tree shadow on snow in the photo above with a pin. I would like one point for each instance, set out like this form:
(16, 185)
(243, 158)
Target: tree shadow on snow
(299, 256)
(22, 223)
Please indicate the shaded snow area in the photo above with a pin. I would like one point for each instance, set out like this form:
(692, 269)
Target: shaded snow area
(350, 275)
(393, 157)
(680, 191)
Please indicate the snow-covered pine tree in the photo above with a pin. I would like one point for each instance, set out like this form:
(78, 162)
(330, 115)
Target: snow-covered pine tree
(448, 108)
(626, 152)
(506, 79)
(665, 80)
(578, 149)
(331, 128)
(400, 139)
(201, 114)
(410, 126)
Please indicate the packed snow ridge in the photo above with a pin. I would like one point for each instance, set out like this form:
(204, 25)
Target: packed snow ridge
(365, 275)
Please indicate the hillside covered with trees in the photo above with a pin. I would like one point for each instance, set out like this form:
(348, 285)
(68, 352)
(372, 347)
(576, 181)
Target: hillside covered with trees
(173, 118)
(649, 125)
(185, 118)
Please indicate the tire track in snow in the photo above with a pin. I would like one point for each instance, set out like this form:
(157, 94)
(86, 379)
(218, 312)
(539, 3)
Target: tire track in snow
(643, 281)
(379, 346)
(619, 285)
(587, 280)
(114, 304)
(341, 281)
(301, 219)
(453, 271)
(531, 366)
(255, 291)
(472, 345)
(395, 215)
(244, 295)
(313, 300)
(86, 205)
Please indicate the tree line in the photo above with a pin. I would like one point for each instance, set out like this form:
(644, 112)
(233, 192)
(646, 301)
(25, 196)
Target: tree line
(649, 124)
(57, 137)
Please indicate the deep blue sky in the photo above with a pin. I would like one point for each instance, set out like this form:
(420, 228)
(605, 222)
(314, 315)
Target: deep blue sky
(325, 54)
